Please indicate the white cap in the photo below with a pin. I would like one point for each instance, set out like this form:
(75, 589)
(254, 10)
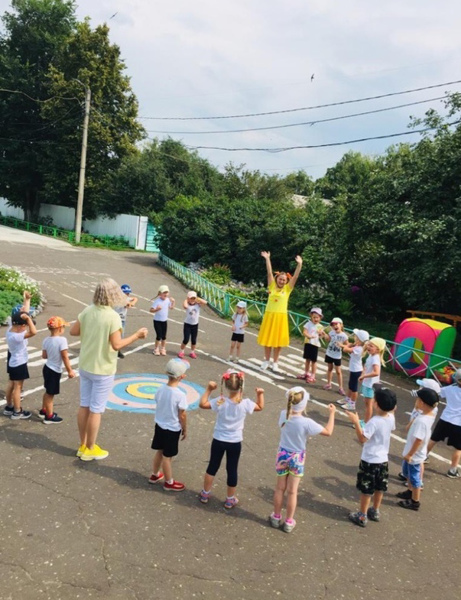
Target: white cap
(163, 288)
(241, 304)
(192, 294)
(336, 320)
(362, 335)
(176, 367)
(430, 384)
(317, 310)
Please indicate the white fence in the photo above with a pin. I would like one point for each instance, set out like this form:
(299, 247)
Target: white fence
(130, 227)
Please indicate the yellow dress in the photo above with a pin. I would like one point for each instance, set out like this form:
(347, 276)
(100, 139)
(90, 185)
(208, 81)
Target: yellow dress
(274, 331)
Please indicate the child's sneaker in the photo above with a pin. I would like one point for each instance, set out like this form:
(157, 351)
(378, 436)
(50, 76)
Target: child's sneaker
(80, 451)
(204, 497)
(8, 410)
(237, 360)
(358, 518)
(231, 502)
(174, 486)
(401, 476)
(327, 386)
(156, 478)
(341, 391)
(181, 354)
(163, 351)
(265, 365)
(120, 354)
(22, 414)
(406, 495)
(96, 453)
(52, 419)
(41, 414)
(350, 405)
(410, 504)
(302, 376)
(310, 378)
(275, 520)
(288, 526)
(453, 473)
(156, 352)
(231, 358)
(342, 401)
(193, 355)
(373, 514)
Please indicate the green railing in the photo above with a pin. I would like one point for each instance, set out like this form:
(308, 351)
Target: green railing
(224, 304)
(65, 234)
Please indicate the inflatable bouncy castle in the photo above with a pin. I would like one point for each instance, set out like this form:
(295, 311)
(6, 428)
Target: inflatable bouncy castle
(415, 338)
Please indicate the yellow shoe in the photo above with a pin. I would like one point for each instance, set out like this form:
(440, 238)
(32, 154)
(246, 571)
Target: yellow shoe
(96, 453)
(81, 450)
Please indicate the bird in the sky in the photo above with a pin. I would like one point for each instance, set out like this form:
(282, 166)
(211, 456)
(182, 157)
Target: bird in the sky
(114, 15)
(312, 76)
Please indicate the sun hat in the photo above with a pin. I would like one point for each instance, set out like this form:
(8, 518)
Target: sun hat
(126, 289)
(379, 343)
(192, 294)
(336, 320)
(428, 396)
(56, 322)
(176, 367)
(385, 398)
(317, 311)
(361, 334)
(163, 288)
(241, 304)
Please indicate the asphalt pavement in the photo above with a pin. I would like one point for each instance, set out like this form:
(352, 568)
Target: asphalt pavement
(98, 530)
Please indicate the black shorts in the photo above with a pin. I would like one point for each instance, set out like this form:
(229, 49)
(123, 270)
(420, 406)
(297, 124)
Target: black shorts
(51, 381)
(311, 352)
(332, 361)
(354, 380)
(447, 431)
(18, 373)
(160, 329)
(237, 337)
(166, 440)
(190, 333)
(372, 477)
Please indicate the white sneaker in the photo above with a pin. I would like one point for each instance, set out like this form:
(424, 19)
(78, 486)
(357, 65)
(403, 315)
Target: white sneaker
(265, 365)
(231, 358)
(236, 360)
(349, 405)
(275, 367)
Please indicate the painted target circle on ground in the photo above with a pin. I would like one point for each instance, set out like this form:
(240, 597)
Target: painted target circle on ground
(135, 392)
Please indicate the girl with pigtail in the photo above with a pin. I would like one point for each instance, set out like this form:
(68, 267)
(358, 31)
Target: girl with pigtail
(231, 410)
(295, 428)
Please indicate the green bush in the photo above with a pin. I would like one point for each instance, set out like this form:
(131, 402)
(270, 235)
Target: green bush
(8, 300)
(218, 274)
(12, 285)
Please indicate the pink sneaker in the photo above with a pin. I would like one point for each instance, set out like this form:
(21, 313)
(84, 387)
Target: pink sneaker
(302, 376)
(310, 379)
(193, 355)
(341, 391)
(156, 352)
(327, 386)
(163, 351)
(180, 354)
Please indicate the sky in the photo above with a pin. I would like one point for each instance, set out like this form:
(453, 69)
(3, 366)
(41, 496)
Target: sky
(213, 58)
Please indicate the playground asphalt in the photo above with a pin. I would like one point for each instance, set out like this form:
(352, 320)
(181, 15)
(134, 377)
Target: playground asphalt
(98, 530)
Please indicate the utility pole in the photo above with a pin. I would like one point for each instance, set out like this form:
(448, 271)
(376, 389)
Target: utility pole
(81, 179)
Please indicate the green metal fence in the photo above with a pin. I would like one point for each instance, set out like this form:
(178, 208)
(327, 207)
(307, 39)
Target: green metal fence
(224, 304)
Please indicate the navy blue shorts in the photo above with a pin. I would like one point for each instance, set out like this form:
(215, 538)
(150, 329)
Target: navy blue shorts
(354, 380)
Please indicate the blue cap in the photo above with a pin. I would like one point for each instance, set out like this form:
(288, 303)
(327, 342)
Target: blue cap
(126, 289)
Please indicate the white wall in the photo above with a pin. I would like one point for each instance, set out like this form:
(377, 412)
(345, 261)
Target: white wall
(10, 211)
(63, 216)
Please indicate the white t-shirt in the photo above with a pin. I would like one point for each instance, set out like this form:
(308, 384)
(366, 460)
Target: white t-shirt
(239, 321)
(312, 329)
(192, 314)
(54, 345)
(231, 418)
(333, 350)
(17, 345)
(169, 401)
(355, 362)
(452, 412)
(420, 429)
(296, 430)
(162, 314)
(372, 360)
(378, 433)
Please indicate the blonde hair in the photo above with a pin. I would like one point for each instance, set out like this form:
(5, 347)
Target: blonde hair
(108, 293)
(234, 383)
(294, 398)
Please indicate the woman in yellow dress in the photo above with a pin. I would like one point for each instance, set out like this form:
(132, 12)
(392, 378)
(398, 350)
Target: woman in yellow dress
(274, 333)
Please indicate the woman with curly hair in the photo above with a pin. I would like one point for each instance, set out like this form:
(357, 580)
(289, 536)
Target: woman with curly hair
(100, 331)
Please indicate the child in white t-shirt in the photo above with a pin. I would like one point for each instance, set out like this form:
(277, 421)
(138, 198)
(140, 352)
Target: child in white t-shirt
(336, 338)
(355, 367)
(228, 432)
(295, 429)
(371, 372)
(311, 333)
(131, 301)
(192, 306)
(55, 351)
(415, 450)
(373, 475)
(160, 307)
(239, 324)
(170, 425)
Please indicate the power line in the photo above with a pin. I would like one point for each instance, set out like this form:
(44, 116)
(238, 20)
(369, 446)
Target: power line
(276, 150)
(290, 110)
(38, 99)
(310, 123)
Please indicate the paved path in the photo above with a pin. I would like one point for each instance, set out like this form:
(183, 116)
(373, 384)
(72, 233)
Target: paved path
(98, 530)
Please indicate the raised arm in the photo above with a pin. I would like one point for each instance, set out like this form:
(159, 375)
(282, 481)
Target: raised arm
(259, 399)
(328, 429)
(205, 399)
(26, 296)
(267, 258)
(299, 266)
